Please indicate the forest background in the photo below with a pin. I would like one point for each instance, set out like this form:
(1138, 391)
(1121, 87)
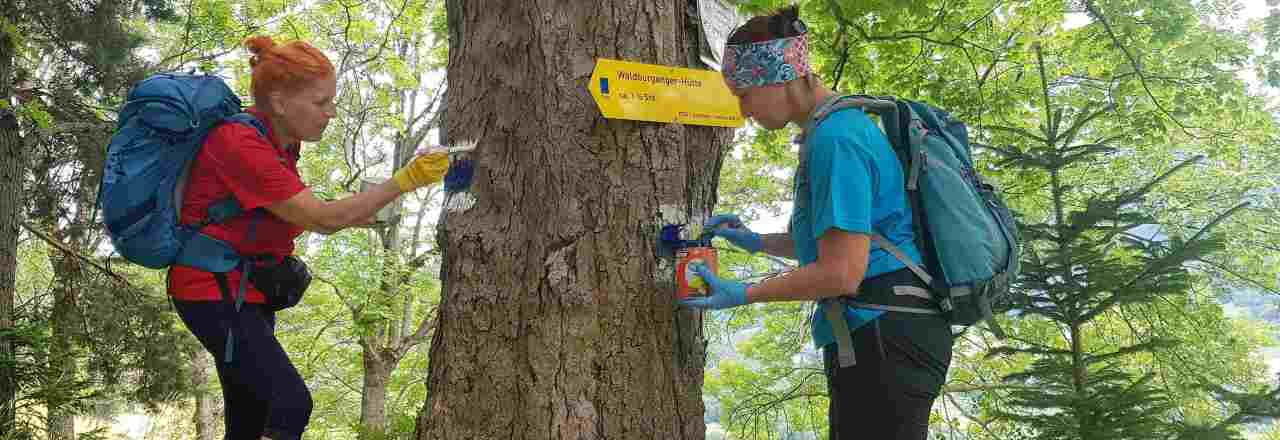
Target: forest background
(1136, 139)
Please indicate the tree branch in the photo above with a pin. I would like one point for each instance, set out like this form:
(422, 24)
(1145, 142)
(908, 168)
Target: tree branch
(948, 389)
(1231, 272)
(355, 311)
(1070, 135)
(420, 335)
(66, 249)
(1133, 196)
(1050, 126)
(1137, 68)
(1113, 299)
(1018, 131)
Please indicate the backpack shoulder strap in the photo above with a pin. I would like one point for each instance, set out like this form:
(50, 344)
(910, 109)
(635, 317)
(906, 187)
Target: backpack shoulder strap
(250, 120)
(888, 108)
(896, 116)
(228, 208)
(827, 107)
(880, 105)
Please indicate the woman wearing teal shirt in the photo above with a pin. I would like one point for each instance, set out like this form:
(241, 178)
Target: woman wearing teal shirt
(849, 186)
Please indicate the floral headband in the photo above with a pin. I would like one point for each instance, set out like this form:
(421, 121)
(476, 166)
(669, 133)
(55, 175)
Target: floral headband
(766, 62)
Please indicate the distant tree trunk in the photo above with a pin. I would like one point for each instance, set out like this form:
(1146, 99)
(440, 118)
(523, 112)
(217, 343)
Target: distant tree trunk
(69, 227)
(557, 321)
(373, 398)
(62, 356)
(74, 228)
(12, 169)
(207, 402)
(377, 360)
(384, 348)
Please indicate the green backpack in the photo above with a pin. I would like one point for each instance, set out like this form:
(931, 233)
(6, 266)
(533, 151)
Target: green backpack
(965, 232)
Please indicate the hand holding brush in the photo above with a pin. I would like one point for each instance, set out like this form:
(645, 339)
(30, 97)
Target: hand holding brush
(731, 228)
(460, 169)
(431, 164)
(421, 171)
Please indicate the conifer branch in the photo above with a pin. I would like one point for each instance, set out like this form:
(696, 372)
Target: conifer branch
(1172, 256)
(72, 252)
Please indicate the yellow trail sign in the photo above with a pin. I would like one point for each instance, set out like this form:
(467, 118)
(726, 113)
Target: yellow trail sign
(648, 92)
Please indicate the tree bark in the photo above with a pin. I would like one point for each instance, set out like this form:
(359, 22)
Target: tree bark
(62, 357)
(69, 281)
(373, 396)
(557, 320)
(11, 177)
(206, 401)
(384, 347)
(12, 171)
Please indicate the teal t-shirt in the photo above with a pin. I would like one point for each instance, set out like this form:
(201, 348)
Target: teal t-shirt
(850, 179)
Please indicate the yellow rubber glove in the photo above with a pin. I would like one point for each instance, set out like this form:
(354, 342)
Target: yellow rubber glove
(422, 171)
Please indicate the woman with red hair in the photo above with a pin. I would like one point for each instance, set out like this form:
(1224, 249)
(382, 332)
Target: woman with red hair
(294, 86)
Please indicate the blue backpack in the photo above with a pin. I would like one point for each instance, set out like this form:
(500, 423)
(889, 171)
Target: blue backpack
(966, 233)
(163, 124)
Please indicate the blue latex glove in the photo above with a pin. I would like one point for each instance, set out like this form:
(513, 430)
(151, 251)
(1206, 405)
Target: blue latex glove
(729, 227)
(724, 293)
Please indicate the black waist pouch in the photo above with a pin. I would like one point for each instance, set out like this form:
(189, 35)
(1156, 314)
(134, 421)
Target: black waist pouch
(283, 282)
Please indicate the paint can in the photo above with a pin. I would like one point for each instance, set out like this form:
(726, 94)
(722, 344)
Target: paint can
(688, 283)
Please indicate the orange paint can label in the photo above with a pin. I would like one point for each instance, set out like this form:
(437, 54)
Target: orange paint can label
(688, 283)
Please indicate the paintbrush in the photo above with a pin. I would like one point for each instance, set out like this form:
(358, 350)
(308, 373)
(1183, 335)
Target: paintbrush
(461, 168)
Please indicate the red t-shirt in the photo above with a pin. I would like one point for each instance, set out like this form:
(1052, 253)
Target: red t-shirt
(238, 161)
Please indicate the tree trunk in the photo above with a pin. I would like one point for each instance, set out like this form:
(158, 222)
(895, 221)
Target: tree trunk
(373, 398)
(11, 177)
(12, 170)
(69, 279)
(207, 402)
(62, 356)
(383, 348)
(378, 362)
(74, 228)
(557, 320)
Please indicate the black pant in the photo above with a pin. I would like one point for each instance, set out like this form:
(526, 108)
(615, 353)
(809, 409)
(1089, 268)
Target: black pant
(902, 362)
(262, 392)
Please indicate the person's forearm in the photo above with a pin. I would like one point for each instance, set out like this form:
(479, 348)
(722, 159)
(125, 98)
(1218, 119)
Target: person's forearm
(309, 212)
(357, 209)
(778, 245)
(808, 283)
